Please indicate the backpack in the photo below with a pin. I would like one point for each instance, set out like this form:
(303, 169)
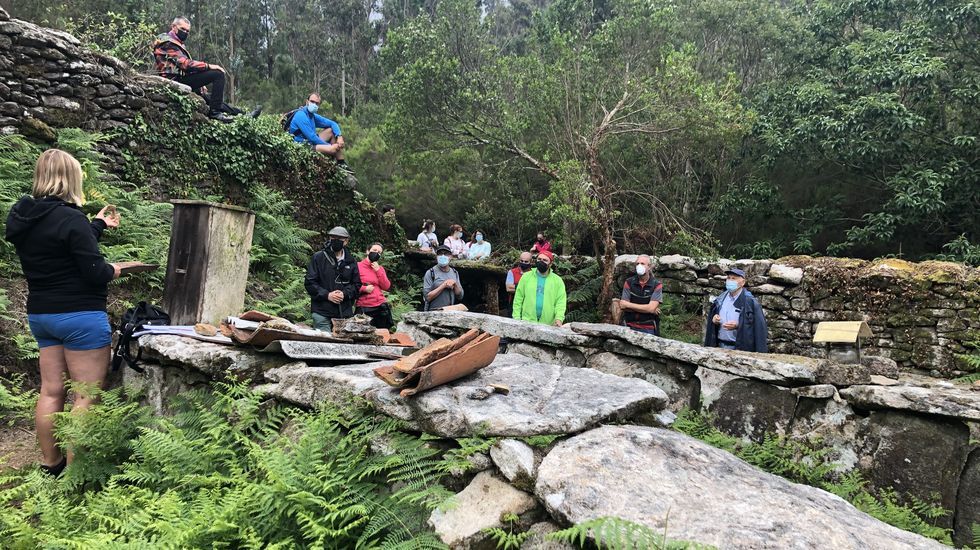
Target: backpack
(133, 321)
(287, 120)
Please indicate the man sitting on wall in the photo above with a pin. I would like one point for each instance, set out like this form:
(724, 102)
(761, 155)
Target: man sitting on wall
(173, 61)
(736, 320)
(304, 125)
(640, 302)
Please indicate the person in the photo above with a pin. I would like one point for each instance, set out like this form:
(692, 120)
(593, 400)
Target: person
(736, 320)
(479, 249)
(67, 286)
(329, 141)
(333, 281)
(427, 239)
(456, 243)
(173, 61)
(441, 286)
(640, 302)
(541, 244)
(374, 282)
(515, 274)
(541, 298)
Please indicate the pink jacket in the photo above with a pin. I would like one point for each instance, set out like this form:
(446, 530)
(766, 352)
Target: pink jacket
(542, 247)
(371, 277)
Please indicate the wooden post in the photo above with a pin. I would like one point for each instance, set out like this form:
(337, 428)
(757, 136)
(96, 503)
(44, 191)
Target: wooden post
(492, 296)
(207, 266)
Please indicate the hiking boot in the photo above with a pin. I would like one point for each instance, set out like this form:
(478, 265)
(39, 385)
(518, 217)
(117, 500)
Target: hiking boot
(220, 117)
(256, 112)
(55, 471)
(344, 167)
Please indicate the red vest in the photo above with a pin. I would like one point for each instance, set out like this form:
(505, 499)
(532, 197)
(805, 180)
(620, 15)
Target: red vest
(516, 272)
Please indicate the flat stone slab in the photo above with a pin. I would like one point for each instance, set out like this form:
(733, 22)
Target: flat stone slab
(544, 399)
(329, 351)
(944, 401)
(213, 359)
(667, 480)
(789, 370)
(505, 327)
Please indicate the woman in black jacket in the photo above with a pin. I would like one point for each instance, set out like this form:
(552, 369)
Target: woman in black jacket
(67, 280)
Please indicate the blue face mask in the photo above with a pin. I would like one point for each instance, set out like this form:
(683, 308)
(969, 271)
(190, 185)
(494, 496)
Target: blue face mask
(731, 285)
(479, 238)
(312, 107)
(443, 260)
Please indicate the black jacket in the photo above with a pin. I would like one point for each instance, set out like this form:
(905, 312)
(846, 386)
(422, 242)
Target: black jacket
(324, 275)
(752, 333)
(59, 253)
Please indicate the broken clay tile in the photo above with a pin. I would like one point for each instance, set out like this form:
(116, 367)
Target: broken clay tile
(428, 354)
(456, 365)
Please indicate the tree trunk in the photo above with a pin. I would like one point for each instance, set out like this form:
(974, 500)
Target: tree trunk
(231, 77)
(343, 90)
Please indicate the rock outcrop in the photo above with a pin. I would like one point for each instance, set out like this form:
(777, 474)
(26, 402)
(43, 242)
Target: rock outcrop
(698, 493)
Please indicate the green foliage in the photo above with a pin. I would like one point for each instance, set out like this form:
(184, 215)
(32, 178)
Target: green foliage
(16, 401)
(277, 240)
(227, 469)
(26, 346)
(681, 319)
(814, 465)
(962, 250)
(614, 533)
(541, 441)
(508, 539)
(458, 459)
(126, 38)
(583, 281)
(970, 362)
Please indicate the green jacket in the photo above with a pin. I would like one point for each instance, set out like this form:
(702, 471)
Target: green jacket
(526, 294)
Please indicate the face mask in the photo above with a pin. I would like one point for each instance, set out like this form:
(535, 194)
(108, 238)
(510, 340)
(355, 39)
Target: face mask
(542, 267)
(540, 239)
(182, 34)
(459, 234)
(443, 260)
(312, 107)
(641, 270)
(336, 245)
(525, 266)
(731, 285)
(374, 256)
(479, 238)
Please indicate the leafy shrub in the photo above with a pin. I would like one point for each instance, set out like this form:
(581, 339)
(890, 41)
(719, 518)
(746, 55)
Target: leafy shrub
(228, 469)
(16, 401)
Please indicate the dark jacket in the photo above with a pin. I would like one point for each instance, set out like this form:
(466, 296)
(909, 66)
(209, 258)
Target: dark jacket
(59, 254)
(751, 334)
(324, 275)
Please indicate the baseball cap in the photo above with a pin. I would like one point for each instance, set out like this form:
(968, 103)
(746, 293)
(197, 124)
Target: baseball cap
(735, 271)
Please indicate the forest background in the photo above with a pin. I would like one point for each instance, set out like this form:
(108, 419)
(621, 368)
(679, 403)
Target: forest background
(747, 127)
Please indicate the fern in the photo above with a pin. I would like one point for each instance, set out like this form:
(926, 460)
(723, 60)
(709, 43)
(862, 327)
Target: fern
(16, 401)
(616, 533)
(27, 347)
(970, 363)
(228, 469)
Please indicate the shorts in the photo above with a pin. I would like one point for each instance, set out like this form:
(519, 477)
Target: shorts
(76, 331)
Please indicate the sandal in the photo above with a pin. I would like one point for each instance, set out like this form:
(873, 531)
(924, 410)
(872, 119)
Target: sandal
(55, 470)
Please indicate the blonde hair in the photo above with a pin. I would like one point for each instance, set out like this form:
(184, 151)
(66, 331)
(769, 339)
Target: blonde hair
(58, 174)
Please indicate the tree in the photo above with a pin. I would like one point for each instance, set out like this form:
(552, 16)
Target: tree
(599, 89)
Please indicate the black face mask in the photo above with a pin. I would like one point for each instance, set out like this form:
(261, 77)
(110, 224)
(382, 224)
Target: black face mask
(540, 239)
(542, 267)
(182, 35)
(336, 245)
(374, 256)
(525, 266)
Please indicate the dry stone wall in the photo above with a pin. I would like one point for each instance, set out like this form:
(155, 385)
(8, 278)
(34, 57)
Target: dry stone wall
(48, 80)
(921, 314)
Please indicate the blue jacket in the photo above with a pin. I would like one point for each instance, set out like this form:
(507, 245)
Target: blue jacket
(752, 333)
(304, 126)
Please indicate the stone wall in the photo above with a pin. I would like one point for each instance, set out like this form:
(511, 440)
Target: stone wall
(48, 80)
(921, 314)
(916, 434)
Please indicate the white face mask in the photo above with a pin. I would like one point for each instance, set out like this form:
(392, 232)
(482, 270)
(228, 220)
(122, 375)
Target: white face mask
(641, 270)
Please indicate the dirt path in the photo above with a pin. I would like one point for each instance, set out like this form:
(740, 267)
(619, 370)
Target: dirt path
(18, 447)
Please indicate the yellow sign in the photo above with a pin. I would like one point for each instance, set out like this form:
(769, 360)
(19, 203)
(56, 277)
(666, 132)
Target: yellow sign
(841, 331)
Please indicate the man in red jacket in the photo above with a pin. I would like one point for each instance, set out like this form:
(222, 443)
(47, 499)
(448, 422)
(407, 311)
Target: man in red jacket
(173, 61)
(374, 281)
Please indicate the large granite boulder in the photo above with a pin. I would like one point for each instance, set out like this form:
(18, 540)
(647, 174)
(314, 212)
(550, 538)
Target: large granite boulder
(215, 360)
(669, 481)
(477, 507)
(543, 399)
(916, 455)
(953, 402)
(750, 409)
(968, 501)
(682, 393)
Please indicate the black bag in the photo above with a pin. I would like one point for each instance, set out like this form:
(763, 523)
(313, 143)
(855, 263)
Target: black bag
(287, 120)
(133, 321)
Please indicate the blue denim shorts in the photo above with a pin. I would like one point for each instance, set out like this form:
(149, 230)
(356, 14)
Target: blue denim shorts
(77, 331)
